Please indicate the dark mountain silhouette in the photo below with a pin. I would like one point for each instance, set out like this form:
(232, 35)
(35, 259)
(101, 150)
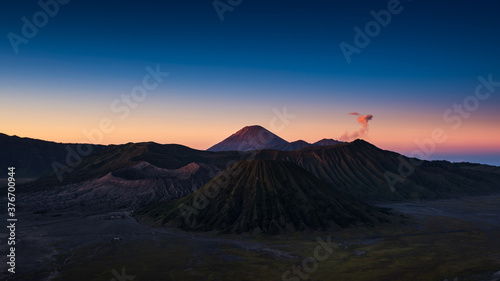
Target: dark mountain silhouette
(114, 158)
(479, 167)
(249, 138)
(263, 196)
(361, 169)
(129, 188)
(257, 137)
(325, 142)
(296, 145)
(33, 157)
(357, 168)
(300, 144)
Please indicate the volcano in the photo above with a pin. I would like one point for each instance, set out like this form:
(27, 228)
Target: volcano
(249, 138)
(263, 196)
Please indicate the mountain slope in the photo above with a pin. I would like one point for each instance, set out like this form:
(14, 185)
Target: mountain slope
(357, 168)
(130, 188)
(300, 144)
(325, 142)
(263, 196)
(256, 138)
(360, 168)
(296, 145)
(249, 138)
(114, 158)
(33, 157)
(479, 167)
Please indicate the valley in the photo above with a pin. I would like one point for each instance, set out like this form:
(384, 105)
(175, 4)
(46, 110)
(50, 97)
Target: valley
(255, 215)
(435, 242)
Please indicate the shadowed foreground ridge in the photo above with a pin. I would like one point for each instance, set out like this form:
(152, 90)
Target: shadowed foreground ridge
(262, 196)
(366, 171)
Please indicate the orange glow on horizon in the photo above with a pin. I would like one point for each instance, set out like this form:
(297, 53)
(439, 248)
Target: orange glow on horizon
(403, 140)
(201, 124)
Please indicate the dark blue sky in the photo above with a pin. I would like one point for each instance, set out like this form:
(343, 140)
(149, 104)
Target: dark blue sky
(264, 52)
(427, 40)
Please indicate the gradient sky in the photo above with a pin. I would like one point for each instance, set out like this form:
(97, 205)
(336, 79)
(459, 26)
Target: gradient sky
(265, 55)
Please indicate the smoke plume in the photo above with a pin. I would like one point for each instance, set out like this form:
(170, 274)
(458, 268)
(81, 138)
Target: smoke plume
(363, 120)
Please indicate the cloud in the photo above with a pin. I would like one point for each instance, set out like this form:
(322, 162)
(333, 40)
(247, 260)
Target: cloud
(363, 120)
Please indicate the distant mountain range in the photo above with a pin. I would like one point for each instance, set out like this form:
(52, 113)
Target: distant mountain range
(358, 168)
(257, 138)
(33, 157)
(300, 179)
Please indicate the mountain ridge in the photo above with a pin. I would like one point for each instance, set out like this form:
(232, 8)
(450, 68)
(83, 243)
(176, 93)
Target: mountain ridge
(33, 157)
(357, 168)
(256, 137)
(264, 196)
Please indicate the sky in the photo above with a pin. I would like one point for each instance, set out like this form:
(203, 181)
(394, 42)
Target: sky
(77, 71)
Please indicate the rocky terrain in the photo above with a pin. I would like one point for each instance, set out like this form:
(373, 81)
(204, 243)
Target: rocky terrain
(263, 196)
